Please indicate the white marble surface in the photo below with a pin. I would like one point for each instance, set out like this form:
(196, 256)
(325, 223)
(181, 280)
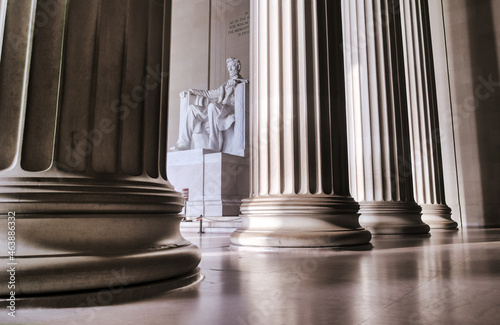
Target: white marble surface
(83, 179)
(217, 182)
(448, 278)
(377, 119)
(299, 189)
(466, 85)
(426, 161)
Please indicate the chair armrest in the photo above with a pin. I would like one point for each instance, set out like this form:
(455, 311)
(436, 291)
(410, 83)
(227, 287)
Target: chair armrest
(241, 117)
(193, 100)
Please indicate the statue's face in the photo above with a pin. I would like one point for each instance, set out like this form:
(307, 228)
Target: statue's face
(232, 68)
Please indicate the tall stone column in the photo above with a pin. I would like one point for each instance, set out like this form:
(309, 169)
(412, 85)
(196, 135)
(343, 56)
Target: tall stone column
(299, 185)
(83, 136)
(424, 123)
(379, 141)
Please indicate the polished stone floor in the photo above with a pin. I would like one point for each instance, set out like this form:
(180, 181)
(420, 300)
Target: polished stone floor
(447, 278)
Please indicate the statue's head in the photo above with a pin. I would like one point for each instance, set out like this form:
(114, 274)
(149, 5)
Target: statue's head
(233, 66)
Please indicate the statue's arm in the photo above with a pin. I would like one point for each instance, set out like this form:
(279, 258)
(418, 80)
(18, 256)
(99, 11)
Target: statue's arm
(205, 93)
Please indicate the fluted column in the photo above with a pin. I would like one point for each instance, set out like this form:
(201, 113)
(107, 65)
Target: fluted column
(299, 185)
(83, 133)
(3, 12)
(379, 142)
(424, 124)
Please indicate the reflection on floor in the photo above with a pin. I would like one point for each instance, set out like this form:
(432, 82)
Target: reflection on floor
(448, 278)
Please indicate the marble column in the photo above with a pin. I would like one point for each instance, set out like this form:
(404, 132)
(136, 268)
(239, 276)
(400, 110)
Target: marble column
(379, 140)
(83, 134)
(299, 193)
(424, 123)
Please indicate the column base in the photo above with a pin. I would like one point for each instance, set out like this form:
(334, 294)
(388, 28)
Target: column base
(438, 216)
(308, 221)
(52, 274)
(107, 296)
(392, 218)
(77, 234)
(299, 239)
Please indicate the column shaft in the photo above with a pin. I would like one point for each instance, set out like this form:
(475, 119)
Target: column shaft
(380, 164)
(424, 124)
(299, 189)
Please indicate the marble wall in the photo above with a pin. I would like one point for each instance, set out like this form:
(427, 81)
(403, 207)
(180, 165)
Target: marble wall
(467, 70)
(189, 55)
(230, 37)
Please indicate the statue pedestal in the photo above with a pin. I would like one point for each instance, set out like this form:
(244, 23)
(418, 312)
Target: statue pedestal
(216, 182)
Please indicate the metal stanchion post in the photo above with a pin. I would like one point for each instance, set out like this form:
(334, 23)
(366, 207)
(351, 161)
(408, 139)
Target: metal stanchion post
(185, 195)
(201, 225)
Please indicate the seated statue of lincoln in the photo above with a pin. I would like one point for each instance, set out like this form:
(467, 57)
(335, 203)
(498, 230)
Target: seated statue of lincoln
(216, 118)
